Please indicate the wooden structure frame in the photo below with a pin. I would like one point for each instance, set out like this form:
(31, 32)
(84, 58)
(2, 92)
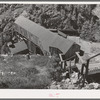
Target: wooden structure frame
(84, 64)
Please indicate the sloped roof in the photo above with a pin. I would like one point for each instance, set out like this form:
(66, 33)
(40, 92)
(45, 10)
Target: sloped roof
(62, 44)
(45, 36)
(20, 46)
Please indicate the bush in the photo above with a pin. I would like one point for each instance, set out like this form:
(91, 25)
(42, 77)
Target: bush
(19, 73)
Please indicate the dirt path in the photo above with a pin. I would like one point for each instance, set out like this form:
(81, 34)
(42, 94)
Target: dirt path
(85, 45)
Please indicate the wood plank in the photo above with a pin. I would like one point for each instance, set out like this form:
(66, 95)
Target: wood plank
(93, 68)
(93, 56)
(80, 58)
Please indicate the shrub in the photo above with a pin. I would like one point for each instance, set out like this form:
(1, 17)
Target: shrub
(35, 73)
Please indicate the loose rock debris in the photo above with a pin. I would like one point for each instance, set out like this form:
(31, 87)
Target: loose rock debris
(73, 83)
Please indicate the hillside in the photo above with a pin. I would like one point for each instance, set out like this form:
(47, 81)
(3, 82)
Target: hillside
(42, 72)
(63, 17)
(18, 72)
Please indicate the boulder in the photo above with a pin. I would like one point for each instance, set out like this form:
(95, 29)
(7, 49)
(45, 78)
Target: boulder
(53, 87)
(71, 87)
(67, 80)
(94, 85)
(65, 86)
(59, 87)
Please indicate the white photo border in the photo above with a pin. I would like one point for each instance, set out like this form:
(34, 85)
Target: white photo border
(42, 93)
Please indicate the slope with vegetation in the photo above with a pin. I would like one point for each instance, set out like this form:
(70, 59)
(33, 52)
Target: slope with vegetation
(18, 72)
(39, 71)
(60, 16)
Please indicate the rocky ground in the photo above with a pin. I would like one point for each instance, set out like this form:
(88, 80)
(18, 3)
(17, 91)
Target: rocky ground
(39, 73)
(73, 83)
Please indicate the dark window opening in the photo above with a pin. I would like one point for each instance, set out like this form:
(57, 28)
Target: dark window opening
(38, 51)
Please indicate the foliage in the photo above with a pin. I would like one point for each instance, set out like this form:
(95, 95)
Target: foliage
(59, 16)
(18, 72)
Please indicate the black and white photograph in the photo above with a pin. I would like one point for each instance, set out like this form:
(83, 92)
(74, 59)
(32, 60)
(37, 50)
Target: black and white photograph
(50, 46)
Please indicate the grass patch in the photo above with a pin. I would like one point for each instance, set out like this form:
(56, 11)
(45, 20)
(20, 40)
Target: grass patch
(19, 73)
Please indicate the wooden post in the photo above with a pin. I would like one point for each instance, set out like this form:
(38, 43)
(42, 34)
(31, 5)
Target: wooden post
(83, 75)
(87, 68)
(75, 61)
(70, 68)
(29, 46)
(82, 69)
(62, 61)
(86, 71)
(83, 80)
(63, 64)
